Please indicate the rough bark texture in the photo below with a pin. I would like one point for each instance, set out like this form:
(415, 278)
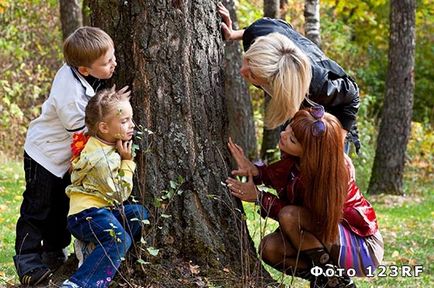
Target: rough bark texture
(270, 137)
(239, 104)
(70, 16)
(312, 21)
(171, 54)
(388, 168)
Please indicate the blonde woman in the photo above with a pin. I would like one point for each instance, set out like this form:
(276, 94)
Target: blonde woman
(293, 71)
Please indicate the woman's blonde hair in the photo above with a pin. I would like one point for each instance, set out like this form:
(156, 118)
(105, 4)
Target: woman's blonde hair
(287, 70)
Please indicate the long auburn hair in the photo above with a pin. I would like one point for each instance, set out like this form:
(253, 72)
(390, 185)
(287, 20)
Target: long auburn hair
(323, 172)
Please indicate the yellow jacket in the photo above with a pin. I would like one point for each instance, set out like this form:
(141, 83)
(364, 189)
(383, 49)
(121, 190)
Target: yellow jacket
(99, 177)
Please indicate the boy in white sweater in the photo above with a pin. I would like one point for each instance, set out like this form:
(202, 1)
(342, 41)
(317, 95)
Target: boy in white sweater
(41, 233)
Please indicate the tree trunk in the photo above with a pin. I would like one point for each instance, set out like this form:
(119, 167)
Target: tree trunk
(272, 8)
(283, 9)
(171, 54)
(270, 137)
(388, 168)
(312, 22)
(238, 102)
(70, 16)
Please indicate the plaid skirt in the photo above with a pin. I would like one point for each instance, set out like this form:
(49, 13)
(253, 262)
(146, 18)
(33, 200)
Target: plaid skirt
(359, 253)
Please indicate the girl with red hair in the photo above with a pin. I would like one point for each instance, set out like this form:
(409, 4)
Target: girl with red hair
(324, 220)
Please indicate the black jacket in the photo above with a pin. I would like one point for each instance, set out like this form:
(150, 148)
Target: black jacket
(330, 85)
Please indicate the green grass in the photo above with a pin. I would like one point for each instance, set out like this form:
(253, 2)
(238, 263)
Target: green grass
(406, 224)
(11, 189)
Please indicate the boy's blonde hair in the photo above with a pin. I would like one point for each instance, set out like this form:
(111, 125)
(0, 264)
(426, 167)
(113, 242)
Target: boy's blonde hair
(103, 104)
(85, 45)
(287, 70)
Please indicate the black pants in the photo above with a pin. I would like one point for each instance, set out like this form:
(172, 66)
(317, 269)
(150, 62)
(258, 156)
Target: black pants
(42, 223)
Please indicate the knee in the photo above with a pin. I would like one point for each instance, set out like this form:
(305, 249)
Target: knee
(288, 215)
(124, 241)
(268, 250)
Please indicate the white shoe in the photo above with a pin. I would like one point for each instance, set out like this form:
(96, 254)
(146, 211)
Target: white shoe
(82, 250)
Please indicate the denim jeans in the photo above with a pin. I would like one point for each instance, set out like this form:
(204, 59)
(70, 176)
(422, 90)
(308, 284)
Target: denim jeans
(112, 230)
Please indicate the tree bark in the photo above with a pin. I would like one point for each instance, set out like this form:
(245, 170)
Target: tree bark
(272, 8)
(238, 102)
(388, 168)
(70, 16)
(171, 54)
(283, 9)
(270, 137)
(312, 21)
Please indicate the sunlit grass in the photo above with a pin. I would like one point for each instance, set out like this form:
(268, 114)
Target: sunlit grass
(11, 189)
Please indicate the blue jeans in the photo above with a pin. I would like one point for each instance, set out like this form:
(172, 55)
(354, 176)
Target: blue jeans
(112, 230)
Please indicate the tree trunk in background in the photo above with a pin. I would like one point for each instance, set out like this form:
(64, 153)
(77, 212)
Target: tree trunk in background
(171, 54)
(312, 21)
(272, 8)
(70, 16)
(270, 138)
(238, 102)
(388, 168)
(283, 9)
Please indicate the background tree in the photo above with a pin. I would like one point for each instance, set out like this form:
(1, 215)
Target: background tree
(270, 136)
(388, 168)
(171, 54)
(272, 8)
(312, 21)
(239, 104)
(70, 16)
(283, 9)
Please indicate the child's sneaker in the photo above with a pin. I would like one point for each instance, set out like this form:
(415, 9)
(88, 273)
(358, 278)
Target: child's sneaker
(36, 276)
(69, 284)
(82, 250)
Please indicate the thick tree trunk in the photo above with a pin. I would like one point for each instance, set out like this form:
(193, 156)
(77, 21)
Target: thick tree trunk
(270, 137)
(70, 16)
(239, 104)
(172, 55)
(388, 168)
(312, 21)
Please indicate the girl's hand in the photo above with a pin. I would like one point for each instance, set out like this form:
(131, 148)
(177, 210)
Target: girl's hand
(244, 165)
(244, 191)
(124, 149)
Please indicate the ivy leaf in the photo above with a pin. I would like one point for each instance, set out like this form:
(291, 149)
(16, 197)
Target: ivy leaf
(153, 251)
(146, 222)
(143, 262)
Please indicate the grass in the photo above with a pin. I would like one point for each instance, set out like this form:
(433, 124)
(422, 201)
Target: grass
(406, 224)
(11, 188)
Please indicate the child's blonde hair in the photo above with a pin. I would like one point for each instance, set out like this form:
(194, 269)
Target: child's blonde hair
(85, 45)
(287, 70)
(102, 105)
